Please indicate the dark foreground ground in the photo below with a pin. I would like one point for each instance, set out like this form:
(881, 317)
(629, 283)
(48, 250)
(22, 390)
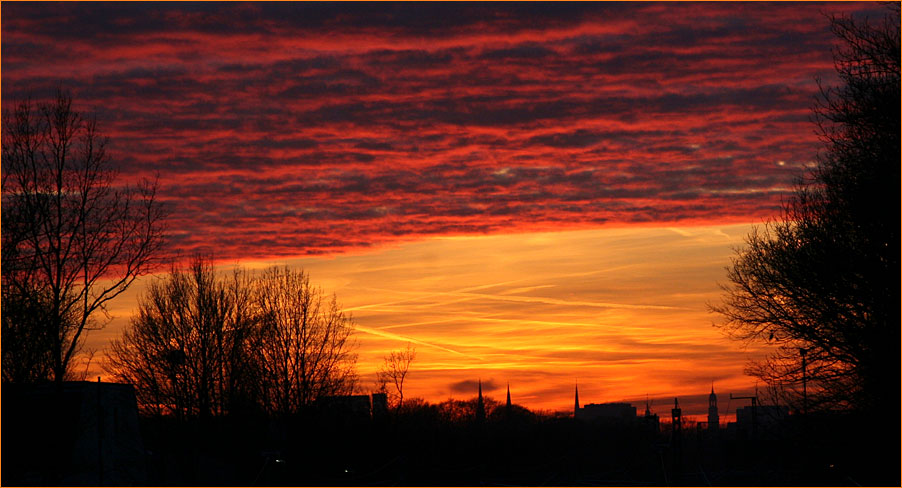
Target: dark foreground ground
(541, 452)
(418, 449)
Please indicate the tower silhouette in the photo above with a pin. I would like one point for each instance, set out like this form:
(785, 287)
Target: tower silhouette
(508, 404)
(713, 417)
(676, 437)
(576, 400)
(480, 405)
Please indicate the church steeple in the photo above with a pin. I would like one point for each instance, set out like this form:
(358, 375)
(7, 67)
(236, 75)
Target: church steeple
(508, 404)
(576, 399)
(480, 405)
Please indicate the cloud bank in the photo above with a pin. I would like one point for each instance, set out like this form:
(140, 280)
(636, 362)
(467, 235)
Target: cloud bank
(301, 129)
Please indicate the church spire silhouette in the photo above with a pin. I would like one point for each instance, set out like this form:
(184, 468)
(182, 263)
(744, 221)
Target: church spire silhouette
(480, 405)
(508, 404)
(576, 399)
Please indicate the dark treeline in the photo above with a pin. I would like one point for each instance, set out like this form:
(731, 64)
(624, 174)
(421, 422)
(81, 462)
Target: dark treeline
(447, 444)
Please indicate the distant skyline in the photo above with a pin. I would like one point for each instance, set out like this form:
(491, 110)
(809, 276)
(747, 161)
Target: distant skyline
(528, 192)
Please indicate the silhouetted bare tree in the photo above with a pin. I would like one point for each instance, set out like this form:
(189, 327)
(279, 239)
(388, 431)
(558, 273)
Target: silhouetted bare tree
(305, 343)
(73, 237)
(394, 370)
(188, 351)
(821, 283)
(206, 344)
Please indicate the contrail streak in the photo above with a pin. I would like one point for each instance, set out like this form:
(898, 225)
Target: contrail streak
(390, 335)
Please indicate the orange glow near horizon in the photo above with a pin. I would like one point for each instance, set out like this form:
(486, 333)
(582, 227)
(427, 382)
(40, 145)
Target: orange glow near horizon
(622, 311)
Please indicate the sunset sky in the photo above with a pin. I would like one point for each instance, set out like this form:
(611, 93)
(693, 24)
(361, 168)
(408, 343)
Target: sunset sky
(533, 193)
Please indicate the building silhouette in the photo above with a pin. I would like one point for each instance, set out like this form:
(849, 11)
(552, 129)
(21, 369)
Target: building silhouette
(380, 404)
(73, 433)
(614, 410)
(651, 421)
(374, 405)
(757, 420)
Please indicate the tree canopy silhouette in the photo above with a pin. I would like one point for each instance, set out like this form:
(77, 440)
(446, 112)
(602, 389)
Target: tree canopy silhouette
(206, 344)
(306, 344)
(188, 349)
(821, 283)
(74, 237)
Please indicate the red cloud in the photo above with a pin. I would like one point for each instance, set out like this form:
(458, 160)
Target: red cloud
(289, 129)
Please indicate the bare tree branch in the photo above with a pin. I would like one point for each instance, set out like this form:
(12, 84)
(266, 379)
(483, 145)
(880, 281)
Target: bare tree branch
(394, 370)
(72, 239)
(823, 279)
